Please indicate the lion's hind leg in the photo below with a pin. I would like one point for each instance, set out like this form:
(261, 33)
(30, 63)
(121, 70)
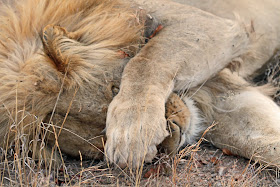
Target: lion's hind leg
(252, 129)
(248, 121)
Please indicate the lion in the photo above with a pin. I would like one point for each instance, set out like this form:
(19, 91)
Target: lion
(65, 76)
(200, 44)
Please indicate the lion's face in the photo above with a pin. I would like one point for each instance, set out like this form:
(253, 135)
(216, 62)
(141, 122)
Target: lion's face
(62, 63)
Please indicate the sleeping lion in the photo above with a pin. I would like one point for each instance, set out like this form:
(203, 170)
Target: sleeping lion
(74, 70)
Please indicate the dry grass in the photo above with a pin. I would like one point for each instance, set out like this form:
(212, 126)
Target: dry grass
(196, 165)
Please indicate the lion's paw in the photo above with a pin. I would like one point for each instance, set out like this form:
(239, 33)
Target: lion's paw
(133, 131)
(183, 122)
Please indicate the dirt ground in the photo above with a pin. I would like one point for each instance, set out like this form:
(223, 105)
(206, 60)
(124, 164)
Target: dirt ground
(207, 166)
(196, 166)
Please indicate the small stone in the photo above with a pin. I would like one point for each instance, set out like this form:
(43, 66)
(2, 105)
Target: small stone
(222, 171)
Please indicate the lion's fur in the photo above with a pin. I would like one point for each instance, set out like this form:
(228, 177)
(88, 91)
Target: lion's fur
(247, 118)
(31, 81)
(60, 65)
(261, 18)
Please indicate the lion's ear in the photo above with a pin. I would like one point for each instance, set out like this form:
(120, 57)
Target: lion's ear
(54, 39)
